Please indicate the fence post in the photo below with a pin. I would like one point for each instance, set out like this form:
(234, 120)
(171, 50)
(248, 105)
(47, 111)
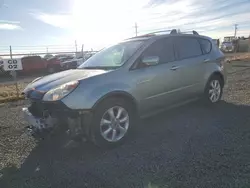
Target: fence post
(14, 75)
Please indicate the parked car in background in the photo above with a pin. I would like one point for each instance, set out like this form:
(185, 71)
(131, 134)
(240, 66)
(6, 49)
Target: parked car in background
(77, 61)
(89, 55)
(47, 56)
(54, 64)
(229, 44)
(138, 77)
(33, 63)
(29, 63)
(72, 64)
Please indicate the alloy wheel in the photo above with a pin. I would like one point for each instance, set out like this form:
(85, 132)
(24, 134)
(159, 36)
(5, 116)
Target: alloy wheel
(114, 124)
(214, 91)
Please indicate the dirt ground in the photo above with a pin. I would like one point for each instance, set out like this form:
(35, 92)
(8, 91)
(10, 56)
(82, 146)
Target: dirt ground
(190, 146)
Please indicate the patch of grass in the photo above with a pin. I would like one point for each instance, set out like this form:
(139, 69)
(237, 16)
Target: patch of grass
(8, 92)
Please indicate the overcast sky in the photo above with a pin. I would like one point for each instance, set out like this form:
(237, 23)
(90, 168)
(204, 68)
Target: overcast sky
(97, 23)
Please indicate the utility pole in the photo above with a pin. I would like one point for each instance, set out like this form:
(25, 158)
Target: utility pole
(82, 51)
(136, 27)
(76, 46)
(235, 29)
(14, 74)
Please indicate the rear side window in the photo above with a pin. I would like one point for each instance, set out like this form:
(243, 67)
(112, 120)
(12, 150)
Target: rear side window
(206, 46)
(187, 47)
(162, 48)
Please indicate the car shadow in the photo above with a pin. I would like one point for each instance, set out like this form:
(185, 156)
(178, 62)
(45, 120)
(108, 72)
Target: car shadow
(57, 160)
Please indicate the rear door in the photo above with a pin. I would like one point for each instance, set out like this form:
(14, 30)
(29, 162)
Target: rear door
(190, 65)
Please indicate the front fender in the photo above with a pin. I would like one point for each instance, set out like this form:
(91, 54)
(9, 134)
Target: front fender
(87, 98)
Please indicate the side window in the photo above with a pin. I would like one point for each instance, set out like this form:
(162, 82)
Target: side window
(163, 49)
(187, 47)
(206, 46)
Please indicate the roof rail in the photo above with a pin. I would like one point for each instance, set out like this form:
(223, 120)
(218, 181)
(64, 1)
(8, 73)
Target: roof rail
(174, 31)
(192, 31)
(171, 31)
(162, 31)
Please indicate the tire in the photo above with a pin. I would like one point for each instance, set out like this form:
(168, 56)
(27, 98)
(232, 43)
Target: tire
(102, 134)
(213, 87)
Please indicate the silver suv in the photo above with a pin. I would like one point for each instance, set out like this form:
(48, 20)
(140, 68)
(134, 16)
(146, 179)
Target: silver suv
(102, 98)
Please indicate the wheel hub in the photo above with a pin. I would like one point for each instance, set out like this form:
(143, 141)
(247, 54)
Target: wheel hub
(115, 123)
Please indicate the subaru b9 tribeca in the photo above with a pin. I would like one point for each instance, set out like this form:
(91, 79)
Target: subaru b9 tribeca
(101, 99)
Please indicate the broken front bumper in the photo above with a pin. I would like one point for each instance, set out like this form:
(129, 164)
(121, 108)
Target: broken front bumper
(38, 123)
(44, 117)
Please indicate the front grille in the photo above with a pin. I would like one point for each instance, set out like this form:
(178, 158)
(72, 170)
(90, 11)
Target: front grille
(43, 109)
(37, 109)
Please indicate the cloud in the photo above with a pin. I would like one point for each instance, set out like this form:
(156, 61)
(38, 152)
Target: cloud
(209, 16)
(90, 23)
(9, 25)
(56, 20)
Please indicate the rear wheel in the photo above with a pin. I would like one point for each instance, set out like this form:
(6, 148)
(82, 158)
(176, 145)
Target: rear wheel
(214, 89)
(112, 123)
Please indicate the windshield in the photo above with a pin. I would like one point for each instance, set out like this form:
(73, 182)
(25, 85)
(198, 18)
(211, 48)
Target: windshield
(112, 57)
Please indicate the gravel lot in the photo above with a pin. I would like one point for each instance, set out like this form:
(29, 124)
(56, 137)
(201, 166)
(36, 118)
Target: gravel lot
(191, 146)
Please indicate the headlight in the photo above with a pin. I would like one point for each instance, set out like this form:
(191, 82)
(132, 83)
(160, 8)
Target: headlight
(60, 92)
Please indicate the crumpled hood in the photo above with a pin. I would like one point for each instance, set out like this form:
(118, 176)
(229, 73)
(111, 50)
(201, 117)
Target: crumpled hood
(46, 83)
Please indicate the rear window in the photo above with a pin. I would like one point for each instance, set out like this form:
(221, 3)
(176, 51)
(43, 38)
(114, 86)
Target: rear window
(206, 46)
(187, 47)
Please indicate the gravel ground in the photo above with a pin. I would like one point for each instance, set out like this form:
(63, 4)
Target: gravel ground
(190, 146)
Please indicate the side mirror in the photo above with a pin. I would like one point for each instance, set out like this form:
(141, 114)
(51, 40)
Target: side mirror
(150, 60)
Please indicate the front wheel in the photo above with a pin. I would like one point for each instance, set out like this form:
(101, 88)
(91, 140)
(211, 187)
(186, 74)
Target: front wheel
(214, 90)
(112, 123)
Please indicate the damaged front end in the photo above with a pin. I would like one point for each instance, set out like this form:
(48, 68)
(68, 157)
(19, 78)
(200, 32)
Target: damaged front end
(47, 113)
(45, 118)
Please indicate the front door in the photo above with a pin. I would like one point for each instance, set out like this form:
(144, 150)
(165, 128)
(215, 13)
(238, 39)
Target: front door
(157, 85)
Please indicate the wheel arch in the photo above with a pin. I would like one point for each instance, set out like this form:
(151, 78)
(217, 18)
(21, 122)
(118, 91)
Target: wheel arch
(219, 74)
(118, 94)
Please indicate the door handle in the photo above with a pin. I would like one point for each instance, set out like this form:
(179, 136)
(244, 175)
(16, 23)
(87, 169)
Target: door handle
(206, 60)
(144, 81)
(174, 68)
